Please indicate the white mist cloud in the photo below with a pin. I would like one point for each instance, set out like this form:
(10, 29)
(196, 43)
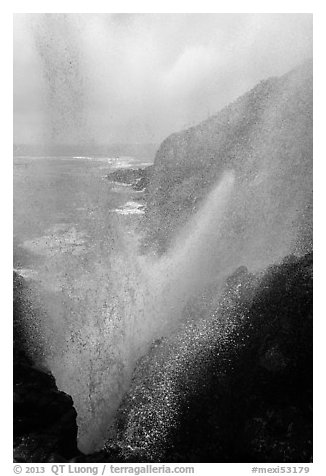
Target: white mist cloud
(139, 77)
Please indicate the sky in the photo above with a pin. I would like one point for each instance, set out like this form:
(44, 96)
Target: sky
(136, 78)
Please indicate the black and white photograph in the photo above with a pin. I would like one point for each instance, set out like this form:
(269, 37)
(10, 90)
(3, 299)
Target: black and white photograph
(162, 240)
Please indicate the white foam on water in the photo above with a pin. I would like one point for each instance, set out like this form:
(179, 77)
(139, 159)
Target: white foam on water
(130, 208)
(120, 184)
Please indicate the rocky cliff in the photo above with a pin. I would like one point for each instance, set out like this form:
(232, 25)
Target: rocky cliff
(265, 137)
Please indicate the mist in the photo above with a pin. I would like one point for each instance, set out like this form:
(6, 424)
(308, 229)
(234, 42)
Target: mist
(136, 78)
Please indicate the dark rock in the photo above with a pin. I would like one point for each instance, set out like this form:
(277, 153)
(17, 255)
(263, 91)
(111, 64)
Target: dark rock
(137, 178)
(44, 417)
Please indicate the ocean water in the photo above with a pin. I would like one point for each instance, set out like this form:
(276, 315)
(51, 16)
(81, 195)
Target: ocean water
(67, 206)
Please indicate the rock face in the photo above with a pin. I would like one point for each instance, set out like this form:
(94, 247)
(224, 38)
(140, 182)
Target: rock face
(233, 386)
(265, 137)
(45, 427)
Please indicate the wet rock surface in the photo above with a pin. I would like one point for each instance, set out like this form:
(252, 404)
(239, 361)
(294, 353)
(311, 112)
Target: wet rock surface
(233, 385)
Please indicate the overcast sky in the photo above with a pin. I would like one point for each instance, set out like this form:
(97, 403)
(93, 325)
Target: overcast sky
(134, 78)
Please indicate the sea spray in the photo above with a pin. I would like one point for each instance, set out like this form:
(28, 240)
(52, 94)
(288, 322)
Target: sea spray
(104, 315)
(187, 267)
